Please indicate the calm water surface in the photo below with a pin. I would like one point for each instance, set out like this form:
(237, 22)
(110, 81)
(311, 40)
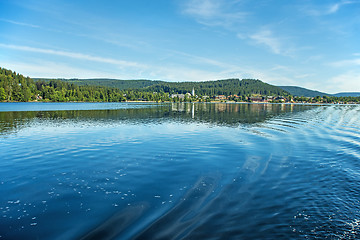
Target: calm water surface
(179, 171)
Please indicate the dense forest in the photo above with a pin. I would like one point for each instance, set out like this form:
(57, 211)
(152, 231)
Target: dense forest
(327, 99)
(16, 87)
(105, 82)
(221, 87)
(209, 88)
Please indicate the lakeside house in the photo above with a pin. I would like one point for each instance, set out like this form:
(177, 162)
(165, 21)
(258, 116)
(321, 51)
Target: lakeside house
(180, 96)
(257, 99)
(220, 97)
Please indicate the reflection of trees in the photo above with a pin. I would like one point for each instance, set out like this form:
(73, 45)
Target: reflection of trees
(235, 114)
(217, 114)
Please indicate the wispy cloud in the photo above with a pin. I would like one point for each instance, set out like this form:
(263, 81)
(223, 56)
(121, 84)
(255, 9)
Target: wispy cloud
(329, 9)
(333, 8)
(266, 37)
(229, 15)
(48, 69)
(214, 12)
(200, 60)
(111, 38)
(345, 82)
(203, 8)
(346, 63)
(75, 55)
(172, 72)
(19, 23)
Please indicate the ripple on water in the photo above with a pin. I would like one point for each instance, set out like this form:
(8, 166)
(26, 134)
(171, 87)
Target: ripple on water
(287, 172)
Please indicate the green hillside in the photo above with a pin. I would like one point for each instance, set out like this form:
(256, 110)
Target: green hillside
(220, 87)
(209, 88)
(114, 83)
(303, 92)
(16, 87)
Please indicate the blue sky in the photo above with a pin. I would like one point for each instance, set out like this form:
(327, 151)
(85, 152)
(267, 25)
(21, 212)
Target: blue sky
(307, 43)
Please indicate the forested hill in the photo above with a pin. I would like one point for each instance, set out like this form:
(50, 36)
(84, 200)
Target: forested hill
(16, 87)
(302, 92)
(220, 87)
(114, 83)
(210, 88)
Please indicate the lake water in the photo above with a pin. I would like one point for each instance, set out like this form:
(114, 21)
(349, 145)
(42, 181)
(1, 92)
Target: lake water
(179, 171)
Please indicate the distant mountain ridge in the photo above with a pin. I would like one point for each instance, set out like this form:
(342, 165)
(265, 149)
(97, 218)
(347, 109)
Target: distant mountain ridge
(347, 94)
(303, 92)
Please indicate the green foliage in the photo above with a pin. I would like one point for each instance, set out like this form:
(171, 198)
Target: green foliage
(112, 83)
(16, 87)
(220, 87)
(2, 94)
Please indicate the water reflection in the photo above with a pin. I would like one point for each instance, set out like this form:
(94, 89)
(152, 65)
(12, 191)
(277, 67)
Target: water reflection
(231, 115)
(182, 171)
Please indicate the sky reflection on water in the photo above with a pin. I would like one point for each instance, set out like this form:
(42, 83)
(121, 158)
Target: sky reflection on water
(228, 171)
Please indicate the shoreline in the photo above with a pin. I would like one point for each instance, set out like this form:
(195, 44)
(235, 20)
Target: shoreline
(218, 102)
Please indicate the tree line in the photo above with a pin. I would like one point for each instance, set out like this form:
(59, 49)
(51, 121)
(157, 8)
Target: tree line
(16, 87)
(205, 88)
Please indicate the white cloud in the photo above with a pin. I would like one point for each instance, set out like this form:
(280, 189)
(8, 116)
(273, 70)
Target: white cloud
(214, 12)
(329, 9)
(346, 82)
(216, 70)
(199, 60)
(230, 15)
(203, 8)
(46, 69)
(19, 23)
(120, 63)
(304, 76)
(266, 37)
(336, 7)
(346, 63)
(241, 36)
(333, 8)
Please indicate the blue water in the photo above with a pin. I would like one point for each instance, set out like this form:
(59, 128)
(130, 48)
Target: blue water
(179, 171)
